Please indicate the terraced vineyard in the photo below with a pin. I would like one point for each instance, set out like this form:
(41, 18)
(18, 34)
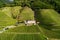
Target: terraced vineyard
(47, 26)
(5, 20)
(21, 37)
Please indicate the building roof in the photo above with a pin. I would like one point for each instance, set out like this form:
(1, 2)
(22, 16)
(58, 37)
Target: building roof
(31, 21)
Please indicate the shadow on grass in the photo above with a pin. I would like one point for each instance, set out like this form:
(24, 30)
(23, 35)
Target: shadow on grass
(38, 18)
(48, 28)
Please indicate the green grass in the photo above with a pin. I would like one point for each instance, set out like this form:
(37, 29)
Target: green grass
(46, 17)
(16, 10)
(6, 20)
(7, 11)
(21, 37)
(26, 14)
(5, 17)
(6, 36)
(49, 16)
(25, 29)
(15, 35)
(29, 37)
(50, 34)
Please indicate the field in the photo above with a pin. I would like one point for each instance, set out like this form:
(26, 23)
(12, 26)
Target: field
(24, 29)
(23, 33)
(21, 37)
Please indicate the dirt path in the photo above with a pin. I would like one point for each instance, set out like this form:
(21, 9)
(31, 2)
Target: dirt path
(7, 27)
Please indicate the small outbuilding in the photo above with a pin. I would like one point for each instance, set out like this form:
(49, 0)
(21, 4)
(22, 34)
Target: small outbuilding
(30, 22)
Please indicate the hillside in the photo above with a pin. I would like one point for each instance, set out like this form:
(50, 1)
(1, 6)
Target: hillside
(20, 32)
(5, 19)
(30, 20)
(49, 19)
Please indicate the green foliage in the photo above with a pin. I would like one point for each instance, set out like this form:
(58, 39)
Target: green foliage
(55, 4)
(26, 14)
(15, 11)
(41, 5)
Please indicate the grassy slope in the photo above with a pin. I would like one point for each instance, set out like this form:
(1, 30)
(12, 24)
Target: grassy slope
(6, 36)
(48, 16)
(16, 10)
(21, 37)
(6, 17)
(5, 20)
(7, 11)
(30, 37)
(26, 14)
(23, 29)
